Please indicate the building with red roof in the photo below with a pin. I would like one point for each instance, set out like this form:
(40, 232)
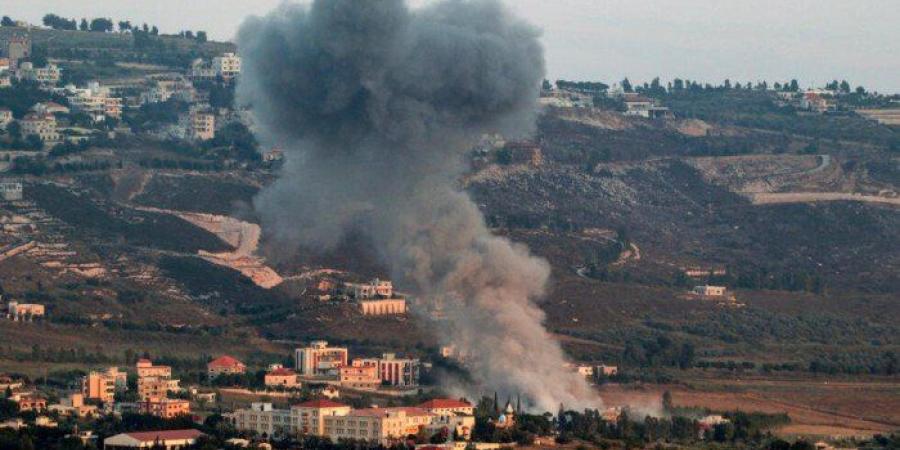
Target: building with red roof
(225, 365)
(165, 439)
(448, 406)
(286, 378)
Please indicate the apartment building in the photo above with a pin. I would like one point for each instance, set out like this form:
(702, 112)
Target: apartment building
(320, 359)
(382, 425)
(41, 125)
(145, 368)
(359, 375)
(302, 419)
(394, 371)
(150, 388)
(198, 125)
(227, 66)
(104, 385)
(165, 408)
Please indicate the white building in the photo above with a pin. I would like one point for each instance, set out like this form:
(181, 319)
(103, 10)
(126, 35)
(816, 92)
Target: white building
(163, 88)
(11, 191)
(710, 291)
(163, 440)
(198, 125)
(305, 418)
(95, 100)
(227, 66)
(40, 125)
(24, 311)
(6, 117)
(382, 425)
(320, 359)
(46, 76)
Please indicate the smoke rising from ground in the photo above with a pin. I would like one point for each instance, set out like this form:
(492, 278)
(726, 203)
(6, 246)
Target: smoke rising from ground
(376, 105)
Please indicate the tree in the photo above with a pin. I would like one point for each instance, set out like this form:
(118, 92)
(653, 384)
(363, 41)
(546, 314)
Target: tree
(189, 34)
(154, 31)
(7, 22)
(626, 85)
(845, 87)
(59, 23)
(146, 28)
(860, 90)
(124, 25)
(678, 84)
(201, 36)
(84, 25)
(795, 86)
(101, 25)
(546, 85)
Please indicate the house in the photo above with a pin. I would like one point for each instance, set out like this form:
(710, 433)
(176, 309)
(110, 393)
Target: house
(607, 371)
(45, 422)
(145, 368)
(224, 365)
(16, 311)
(320, 359)
(709, 291)
(30, 402)
(282, 377)
(166, 408)
(49, 108)
(104, 385)
(373, 289)
(73, 406)
(394, 371)
(383, 425)
(816, 102)
(41, 125)
(163, 440)
(360, 376)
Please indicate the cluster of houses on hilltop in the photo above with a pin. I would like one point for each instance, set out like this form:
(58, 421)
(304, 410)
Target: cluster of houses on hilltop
(373, 298)
(49, 122)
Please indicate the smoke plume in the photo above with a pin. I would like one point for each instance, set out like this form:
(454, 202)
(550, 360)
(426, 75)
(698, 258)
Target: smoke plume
(376, 105)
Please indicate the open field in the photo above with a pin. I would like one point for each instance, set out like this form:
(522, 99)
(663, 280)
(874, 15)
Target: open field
(817, 407)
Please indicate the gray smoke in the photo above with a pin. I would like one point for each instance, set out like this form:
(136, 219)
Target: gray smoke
(376, 105)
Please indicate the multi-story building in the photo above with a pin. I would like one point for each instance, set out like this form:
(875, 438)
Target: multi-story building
(23, 311)
(166, 408)
(104, 385)
(394, 371)
(17, 47)
(40, 125)
(198, 125)
(145, 368)
(49, 75)
(94, 100)
(150, 388)
(30, 402)
(303, 419)
(163, 88)
(382, 425)
(227, 66)
(286, 378)
(373, 289)
(320, 359)
(360, 376)
(448, 406)
(382, 306)
(224, 365)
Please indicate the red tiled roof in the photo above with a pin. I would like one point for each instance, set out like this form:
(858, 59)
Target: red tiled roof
(151, 436)
(439, 403)
(321, 403)
(281, 371)
(224, 361)
(381, 412)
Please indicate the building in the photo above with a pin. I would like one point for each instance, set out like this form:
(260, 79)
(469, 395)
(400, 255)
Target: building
(320, 359)
(709, 291)
(816, 102)
(201, 71)
(104, 385)
(49, 108)
(150, 388)
(41, 125)
(382, 425)
(145, 368)
(637, 105)
(30, 402)
(46, 76)
(74, 406)
(448, 406)
(94, 100)
(382, 307)
(167, 408)
(224, 365)
(373, 289)
(393, 371)
(162, 440)
(5, 80)
(16, 311)
(302, 419)
(360, 376)
(17, 47)
(6, 117)
(227, 66)
(286, 378)
(198, 125)
(524, 152)
(607, 370)
(164, 88)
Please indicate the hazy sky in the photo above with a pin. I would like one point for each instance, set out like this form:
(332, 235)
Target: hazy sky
(708, 40)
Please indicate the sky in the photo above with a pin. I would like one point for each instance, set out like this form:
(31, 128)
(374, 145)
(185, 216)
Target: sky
(814, 41)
